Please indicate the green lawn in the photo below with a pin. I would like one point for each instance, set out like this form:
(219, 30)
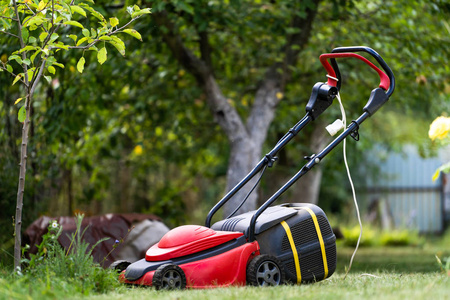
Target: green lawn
(377, 273)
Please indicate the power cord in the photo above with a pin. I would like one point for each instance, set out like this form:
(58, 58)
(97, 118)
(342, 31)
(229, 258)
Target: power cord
(333, 129)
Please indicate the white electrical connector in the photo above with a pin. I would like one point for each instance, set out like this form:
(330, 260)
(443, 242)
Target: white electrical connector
(335, 127)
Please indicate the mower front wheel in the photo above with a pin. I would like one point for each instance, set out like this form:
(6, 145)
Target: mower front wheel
(265, 270)
(169, 277)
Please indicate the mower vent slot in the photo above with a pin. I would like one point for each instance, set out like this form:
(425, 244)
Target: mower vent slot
(311, 266)
(305, 232)
(325, 227)
(331, 257)
(302, 233)
(230, 224)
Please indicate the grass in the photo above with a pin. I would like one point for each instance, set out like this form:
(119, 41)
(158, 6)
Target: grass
(355, 286)
(409, 272)
(377, 272)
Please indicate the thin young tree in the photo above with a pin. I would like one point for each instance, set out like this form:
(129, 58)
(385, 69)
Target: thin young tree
(36, 28)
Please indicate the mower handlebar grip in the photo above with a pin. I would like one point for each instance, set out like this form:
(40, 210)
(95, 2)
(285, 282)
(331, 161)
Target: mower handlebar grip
(387, 80)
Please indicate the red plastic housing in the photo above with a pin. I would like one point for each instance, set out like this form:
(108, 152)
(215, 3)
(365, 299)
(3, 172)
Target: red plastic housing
(188, 239)
(222, 270)
(384, 79)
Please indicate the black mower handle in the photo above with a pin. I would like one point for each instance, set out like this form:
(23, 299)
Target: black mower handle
(387, 79)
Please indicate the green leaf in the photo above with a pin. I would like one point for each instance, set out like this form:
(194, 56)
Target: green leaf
(22, 115)
(35, 20)
(140, 12)
(81, 41)
(93, 33)
(34, 55)
(101, 55)
(43, 36)
(93, 48)
(51, 69)
(58, 65)
(48, 78)
(73, 37)
(80, 64)
(77, 9)
(53, 37)
(73, 23)
(118, 43)
(133, 33)
(95, 13)
(32, 40)
(86, 32)
(18, 100)
(9, 68)
(27, 61)
(114, 21)
(26, 48)
(105, 38)
(18, 77)
(17, 58)
(25, 34)
(30, 74)
(42, 5)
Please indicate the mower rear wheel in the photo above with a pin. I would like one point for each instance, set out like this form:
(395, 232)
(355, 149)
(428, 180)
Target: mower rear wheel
(169, 277)
(265, 270)
(119, 265)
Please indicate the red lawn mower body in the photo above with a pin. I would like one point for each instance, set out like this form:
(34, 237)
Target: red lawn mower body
(221, 270)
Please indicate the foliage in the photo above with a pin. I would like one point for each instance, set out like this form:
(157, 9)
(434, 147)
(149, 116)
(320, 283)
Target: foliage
(74, 265)
(36, 28)
(377, 237)
(444, 264)
(87, 127)
(440, 132)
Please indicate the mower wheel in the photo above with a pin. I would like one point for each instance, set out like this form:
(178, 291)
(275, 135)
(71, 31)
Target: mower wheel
(265, 270)
(169, 277)
(119, 265)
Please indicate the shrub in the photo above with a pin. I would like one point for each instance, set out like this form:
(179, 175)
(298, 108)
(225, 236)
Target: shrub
(75, 266)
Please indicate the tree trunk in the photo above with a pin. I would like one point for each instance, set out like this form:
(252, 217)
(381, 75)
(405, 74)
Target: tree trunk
(243, 157)
(307, 188)
(23, 161)
(21, 188)
(246, 139)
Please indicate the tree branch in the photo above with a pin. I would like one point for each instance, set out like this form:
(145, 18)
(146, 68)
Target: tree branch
(14, 75)
(225, 115)
(205, 48)
(8, 33)
(98, 40)
(12, 19)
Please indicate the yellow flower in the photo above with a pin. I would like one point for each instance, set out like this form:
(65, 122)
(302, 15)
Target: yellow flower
(439, 129)
(279, 95)
(137, 150)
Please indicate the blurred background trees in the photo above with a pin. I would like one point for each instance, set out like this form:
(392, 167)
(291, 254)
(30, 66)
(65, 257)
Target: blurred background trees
(138, 134)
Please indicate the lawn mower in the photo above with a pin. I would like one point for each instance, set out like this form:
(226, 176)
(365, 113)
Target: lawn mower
(275, 244)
